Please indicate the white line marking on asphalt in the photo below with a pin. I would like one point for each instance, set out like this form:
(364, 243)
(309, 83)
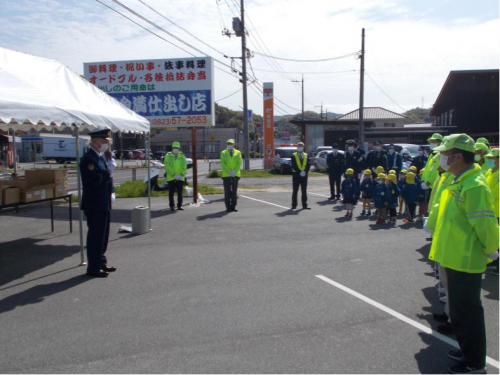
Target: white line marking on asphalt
(390, 311)
(258, 200)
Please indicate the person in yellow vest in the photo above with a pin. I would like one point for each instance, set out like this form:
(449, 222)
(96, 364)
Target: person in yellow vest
(492, 180)
(465, 236)
(175, 170)
(300, 168)
(481, 149)
(230, 162)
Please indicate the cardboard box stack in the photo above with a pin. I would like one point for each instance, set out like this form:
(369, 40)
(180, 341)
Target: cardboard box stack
(37, 184)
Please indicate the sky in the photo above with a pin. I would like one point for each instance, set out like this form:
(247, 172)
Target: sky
(410, 46)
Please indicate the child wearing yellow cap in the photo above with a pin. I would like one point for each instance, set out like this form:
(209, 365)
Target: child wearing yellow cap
(410, 195)
(380, 198)
(349, 191)
(367, 186)
(393, 194)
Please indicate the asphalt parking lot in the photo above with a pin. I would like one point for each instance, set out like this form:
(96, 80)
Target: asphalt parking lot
(262, 290)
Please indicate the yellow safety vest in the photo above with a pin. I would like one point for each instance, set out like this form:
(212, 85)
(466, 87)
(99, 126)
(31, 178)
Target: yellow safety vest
(492, 180)
(301, 166)
(175, 165)
(466, 228)
(230, 163)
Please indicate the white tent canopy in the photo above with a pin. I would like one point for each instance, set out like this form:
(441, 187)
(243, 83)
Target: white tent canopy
(40, 93)
(45, 93)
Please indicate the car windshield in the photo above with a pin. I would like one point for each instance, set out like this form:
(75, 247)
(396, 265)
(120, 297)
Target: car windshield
(413, 149)
(286, 153)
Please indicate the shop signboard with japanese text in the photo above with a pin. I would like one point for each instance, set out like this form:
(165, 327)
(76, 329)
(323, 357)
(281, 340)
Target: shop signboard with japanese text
(268, 124)
(168, 92)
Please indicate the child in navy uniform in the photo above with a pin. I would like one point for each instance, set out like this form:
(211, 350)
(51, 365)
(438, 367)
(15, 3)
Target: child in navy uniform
(401, 185)
(367, 189)
(380, 197)
(410, 195)
(393, 193)
(349, 191)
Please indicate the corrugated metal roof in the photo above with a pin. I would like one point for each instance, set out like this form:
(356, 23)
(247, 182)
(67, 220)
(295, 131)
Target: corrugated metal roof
(373, 113)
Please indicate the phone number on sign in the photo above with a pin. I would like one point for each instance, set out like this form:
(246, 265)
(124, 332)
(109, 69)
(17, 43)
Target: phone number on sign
(178, 120)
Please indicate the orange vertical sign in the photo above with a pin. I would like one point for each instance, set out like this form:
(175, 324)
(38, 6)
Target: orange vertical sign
(268, 124)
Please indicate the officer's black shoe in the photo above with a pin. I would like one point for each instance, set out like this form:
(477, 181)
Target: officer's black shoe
(294, 207)
(331, 198)
(234, 210)
(464, 369)
(180, 208)
(445, 328)
(228, 210)
(306, 208)
(98, 274)
(172, 208)
(440, 317)
(107, 268)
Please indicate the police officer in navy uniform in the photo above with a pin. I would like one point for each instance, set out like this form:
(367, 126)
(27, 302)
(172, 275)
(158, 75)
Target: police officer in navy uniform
(336, 168)
(377, 158)
(353, 159)
(420, 160)
(96, 202)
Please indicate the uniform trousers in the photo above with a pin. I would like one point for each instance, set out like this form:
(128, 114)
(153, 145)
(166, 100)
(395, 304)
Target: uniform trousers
(97, 239)
(467, 315)
(299, 182)
(230, 191)
(175, 186)
(334, 179)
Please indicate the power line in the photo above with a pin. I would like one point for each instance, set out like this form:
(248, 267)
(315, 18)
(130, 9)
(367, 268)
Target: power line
(383, 92)
(219, 100)
(316, 60)
(337, 72)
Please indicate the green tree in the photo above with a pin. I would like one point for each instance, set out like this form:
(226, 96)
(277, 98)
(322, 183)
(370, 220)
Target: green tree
(418, 115)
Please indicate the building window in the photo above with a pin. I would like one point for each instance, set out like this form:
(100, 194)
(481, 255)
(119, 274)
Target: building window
(389, 124)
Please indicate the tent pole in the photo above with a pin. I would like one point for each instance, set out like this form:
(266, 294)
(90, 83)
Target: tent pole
(14, 151)
(78, 179)
(148, 138)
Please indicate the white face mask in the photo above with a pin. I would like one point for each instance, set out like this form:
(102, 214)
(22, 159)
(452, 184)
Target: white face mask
(380, 181)
(432, 145)
(350, 148)
(443, 162)
(477, 157)
(335, 150)
(490, 163)
(230, 147)
(391, 151)
(103, 147)
(175, 150)
(377, 148)
(300, 149)
(420, 152)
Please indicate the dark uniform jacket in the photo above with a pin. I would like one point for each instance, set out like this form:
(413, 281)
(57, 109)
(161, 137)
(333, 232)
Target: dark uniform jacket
(97, 183)
(419, 161)
(354, 160)
(376, 158)
(336, 164)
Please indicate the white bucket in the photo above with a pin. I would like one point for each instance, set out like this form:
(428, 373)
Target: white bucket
(189, 191)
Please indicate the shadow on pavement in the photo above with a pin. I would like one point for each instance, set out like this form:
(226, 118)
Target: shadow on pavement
(215, 215)
(433, 359)
(288, 212)
(24, 256)
(39, 293)
(490, 284)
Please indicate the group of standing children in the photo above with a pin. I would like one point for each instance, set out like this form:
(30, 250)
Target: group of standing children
(387, 193)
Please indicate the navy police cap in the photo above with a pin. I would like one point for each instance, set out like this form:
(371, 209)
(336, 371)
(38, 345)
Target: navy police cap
(100, 133)
(335, 145)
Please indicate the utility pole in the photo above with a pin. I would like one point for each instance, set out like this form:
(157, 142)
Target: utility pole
(362, 89)
(246, 143)
(303, 115)
(318, 106)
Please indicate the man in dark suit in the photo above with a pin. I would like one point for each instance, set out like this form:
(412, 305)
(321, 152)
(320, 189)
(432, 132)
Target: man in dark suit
(336, 167)
(96, 202)
(300, 168)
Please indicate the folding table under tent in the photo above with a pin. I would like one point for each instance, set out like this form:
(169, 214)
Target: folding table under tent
(40, 93)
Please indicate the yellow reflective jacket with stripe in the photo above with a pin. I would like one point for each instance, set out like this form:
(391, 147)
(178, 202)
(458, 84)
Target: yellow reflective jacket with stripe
(466, 228)
(492, 179)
